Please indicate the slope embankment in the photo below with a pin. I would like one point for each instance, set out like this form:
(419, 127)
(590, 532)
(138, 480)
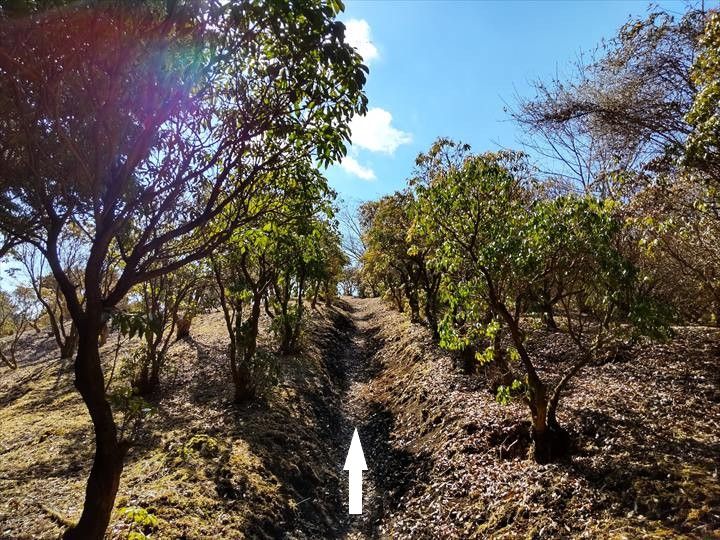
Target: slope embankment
(201, 466)
(447, 461)
(444, 458)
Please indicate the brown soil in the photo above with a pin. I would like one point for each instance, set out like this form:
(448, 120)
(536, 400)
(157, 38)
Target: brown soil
(444, 459)
(646, 430)
(203, 466)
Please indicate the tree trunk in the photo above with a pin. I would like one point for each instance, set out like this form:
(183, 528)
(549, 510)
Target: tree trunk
(183, 326)
(548, 317)
(8, 360)
(468, 363)
(55, 327)
(241, 373)
(244, 387)
(328, 296)
(431, 315)
(550, 441)
(103, 334)
(154, 379)
(411, 294)
(286, 328)
(242, 379)
(550, 444)
(253, 328)
(506, 374)
(244, 351)
(141, 384)
(297, 327)
(266, 305)
(541, 438)
(68, 347)
(397, 297)
(148, 380)
(107, 464)
(316, 292)
(285, 341)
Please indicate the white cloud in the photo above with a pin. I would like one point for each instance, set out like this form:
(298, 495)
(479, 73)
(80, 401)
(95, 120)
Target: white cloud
(351, 165)
(357, 34)
(375, 132)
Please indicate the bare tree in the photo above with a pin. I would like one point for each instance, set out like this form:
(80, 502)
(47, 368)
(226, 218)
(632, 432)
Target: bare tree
(622, 109)
(48, 293)
(352, 237)
(15, 314)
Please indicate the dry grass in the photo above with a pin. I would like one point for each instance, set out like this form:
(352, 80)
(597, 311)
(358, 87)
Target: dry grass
(446, 460)
(203, 467)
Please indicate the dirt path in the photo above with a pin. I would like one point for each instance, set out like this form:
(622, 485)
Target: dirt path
(374, 424)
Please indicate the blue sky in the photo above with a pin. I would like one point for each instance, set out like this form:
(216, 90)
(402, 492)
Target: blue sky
(443, 68)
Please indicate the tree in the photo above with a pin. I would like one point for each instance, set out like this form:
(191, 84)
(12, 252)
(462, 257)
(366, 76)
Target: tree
(680, 217)
(600, 294)
(15, 314)
(352, 235)
(479, 201)
(676, 226)
(305, 250)
(243, 272)
(241, 283)
(388, 249)
(351, 281)
(199, 299)
(397, 256)
(499, 245)
(160, 300)
(444, 157)
(627, 125)
(277, 259)
(623, 109)
(47, 291)
(141, 125)
(326, 261)
(703, 146)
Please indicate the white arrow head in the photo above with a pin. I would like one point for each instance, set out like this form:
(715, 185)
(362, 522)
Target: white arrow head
(355, 459)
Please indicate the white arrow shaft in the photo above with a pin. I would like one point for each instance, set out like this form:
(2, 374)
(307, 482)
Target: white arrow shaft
(355, 491)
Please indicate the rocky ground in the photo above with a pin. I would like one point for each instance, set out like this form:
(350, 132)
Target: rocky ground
(444, 458)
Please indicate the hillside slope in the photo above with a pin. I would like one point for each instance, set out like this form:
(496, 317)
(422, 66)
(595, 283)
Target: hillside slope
(647, 431)
(445, 460)
(203, 467)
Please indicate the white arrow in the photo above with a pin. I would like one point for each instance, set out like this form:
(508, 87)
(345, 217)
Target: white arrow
(355, 463)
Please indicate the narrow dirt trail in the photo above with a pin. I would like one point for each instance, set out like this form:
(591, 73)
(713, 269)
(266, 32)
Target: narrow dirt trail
(374, 424)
